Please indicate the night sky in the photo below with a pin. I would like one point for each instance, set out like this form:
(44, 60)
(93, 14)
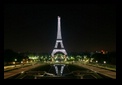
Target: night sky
(84, 27)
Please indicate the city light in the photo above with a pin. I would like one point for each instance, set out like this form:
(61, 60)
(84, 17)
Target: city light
(104, 62)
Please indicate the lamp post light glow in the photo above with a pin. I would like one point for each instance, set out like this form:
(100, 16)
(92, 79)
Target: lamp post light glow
(15, 61)
(104, 62)
(22, 62)
(96, 61)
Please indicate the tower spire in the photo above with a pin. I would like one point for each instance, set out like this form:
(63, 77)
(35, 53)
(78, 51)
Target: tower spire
(59, 28)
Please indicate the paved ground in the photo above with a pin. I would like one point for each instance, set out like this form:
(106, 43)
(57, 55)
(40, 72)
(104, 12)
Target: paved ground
(15, 72)
(105, 72)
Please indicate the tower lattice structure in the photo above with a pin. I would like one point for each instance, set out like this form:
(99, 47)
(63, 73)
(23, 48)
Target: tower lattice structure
(59, 41)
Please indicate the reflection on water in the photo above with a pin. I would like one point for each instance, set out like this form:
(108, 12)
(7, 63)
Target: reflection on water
(59, 71)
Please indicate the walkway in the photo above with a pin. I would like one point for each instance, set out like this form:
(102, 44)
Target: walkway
(20, 70)
(105, 72)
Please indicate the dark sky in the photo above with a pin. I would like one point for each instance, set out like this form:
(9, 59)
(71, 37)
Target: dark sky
(84, 27)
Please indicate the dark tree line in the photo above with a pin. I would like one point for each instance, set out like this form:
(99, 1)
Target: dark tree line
(109, 57)
(10, 56)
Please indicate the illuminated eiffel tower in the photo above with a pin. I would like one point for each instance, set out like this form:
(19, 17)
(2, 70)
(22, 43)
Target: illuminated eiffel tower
(59, 41)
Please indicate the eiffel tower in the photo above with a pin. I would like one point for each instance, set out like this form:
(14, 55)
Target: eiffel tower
(59, 41)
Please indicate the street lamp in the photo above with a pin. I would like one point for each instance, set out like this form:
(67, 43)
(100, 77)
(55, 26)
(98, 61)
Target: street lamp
(15, 61)
(104, 62)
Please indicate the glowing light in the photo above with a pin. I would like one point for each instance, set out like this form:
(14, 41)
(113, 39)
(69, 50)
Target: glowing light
(103, 52)
(15, 59)
(56, 61)
(22, 72)
(104, 62)
(13, 62)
